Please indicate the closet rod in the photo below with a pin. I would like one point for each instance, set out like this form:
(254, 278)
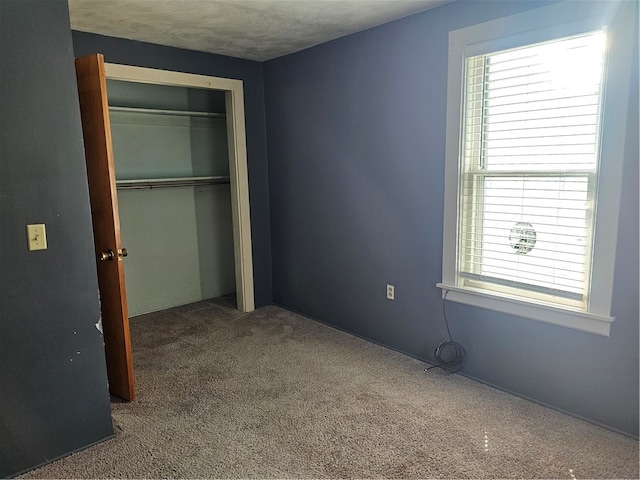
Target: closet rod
(149, 183)
(158, 111)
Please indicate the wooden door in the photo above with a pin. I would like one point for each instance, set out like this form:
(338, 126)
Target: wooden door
(94, 109)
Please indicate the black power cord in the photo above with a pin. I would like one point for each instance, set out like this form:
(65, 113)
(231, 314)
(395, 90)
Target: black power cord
(450, 355)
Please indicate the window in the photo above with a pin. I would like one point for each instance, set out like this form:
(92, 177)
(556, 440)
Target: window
(532, 165)
(529, 164)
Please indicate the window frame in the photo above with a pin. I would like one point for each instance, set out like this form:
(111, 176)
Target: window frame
(543, 24)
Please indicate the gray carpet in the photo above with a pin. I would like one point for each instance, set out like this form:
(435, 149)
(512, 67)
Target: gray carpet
(272, 394)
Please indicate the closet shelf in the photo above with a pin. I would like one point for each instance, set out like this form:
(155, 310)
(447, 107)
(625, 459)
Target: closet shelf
(149, 183)
(156, 111)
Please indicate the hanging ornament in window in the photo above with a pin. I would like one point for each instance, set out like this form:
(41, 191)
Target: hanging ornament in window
(522, 237)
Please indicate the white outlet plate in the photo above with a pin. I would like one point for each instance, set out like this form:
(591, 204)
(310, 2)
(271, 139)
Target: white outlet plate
(37, 237)
(391, 292)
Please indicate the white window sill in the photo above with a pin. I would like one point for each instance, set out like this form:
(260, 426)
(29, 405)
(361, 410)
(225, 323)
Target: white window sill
(575, 319)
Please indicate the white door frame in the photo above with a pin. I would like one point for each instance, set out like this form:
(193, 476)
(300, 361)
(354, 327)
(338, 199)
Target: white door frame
(238, 172)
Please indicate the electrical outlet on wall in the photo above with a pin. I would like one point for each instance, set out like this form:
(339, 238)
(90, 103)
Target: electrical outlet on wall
(391, 292)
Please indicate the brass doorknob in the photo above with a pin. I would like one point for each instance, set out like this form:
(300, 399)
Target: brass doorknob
(108, 255)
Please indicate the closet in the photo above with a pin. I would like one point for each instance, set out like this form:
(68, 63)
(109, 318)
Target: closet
(177, 182)
(172, 168)
(172, 178)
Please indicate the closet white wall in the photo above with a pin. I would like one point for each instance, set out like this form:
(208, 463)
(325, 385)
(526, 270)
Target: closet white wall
(172, 171)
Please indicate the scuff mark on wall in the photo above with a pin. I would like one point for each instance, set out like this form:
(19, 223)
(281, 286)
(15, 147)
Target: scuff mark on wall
(99, 325)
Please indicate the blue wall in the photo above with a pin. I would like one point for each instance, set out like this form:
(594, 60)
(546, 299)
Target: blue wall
(128, 52)
(53, 380)
(350, 199)
(356, 136)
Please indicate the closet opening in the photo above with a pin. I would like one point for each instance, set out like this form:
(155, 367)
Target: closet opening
(181, 177)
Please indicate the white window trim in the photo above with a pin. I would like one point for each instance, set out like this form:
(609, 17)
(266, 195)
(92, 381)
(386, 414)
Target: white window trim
(555, 21)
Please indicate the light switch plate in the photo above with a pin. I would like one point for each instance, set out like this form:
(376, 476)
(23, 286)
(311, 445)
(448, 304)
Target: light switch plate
(37, 237)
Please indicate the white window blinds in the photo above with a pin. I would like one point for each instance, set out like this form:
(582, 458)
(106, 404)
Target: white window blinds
(530, 149)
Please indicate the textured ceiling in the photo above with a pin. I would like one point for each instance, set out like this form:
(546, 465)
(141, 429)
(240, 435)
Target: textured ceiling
(252, 29)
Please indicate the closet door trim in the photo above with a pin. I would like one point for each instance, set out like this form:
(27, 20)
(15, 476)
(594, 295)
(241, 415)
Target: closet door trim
(237, 145)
